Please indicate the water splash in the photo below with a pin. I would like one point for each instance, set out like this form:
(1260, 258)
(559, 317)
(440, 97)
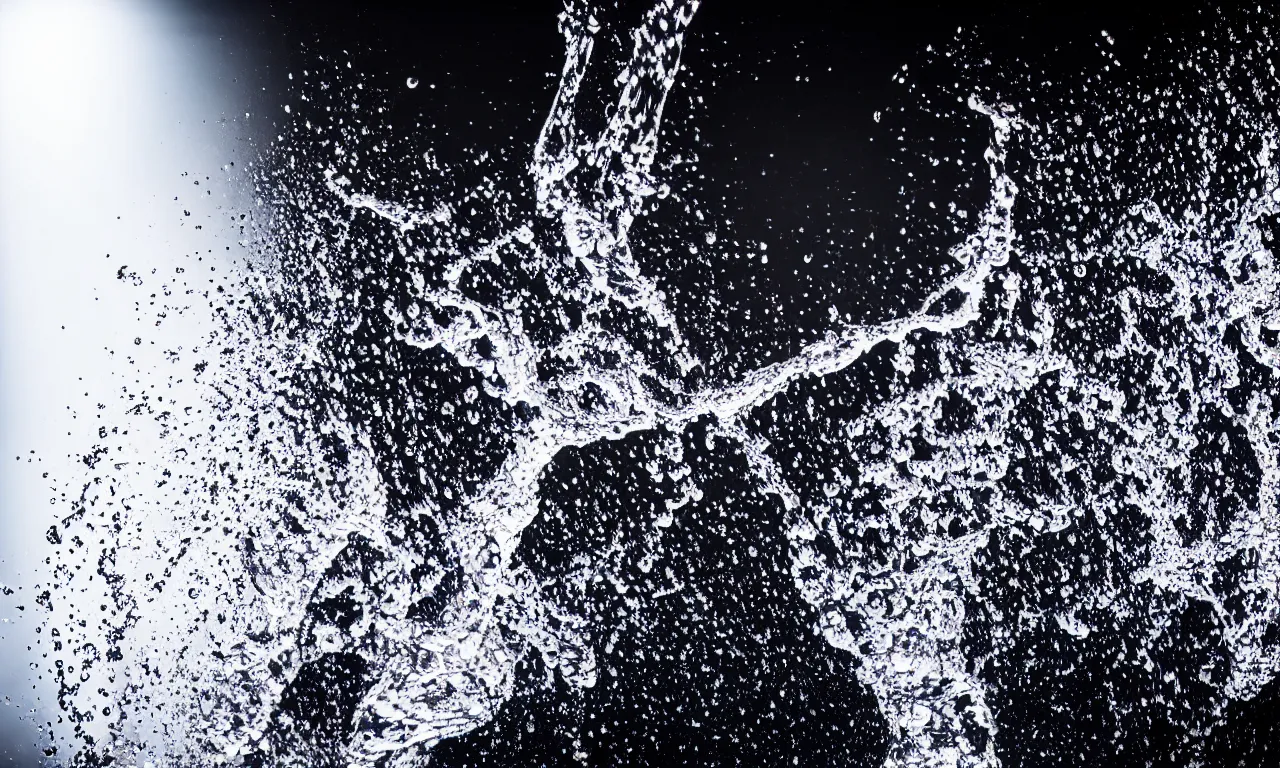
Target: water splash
(996, 425)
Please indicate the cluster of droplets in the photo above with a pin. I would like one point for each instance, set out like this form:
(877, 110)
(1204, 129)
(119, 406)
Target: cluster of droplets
(602, 386)
(1150, 426)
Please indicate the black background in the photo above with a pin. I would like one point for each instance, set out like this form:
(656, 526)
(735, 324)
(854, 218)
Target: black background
(793, 698)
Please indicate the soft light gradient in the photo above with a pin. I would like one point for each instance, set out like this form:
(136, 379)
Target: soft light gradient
(104, 106)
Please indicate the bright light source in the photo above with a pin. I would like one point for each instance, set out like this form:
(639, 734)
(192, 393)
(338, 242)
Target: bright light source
(66, 68)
